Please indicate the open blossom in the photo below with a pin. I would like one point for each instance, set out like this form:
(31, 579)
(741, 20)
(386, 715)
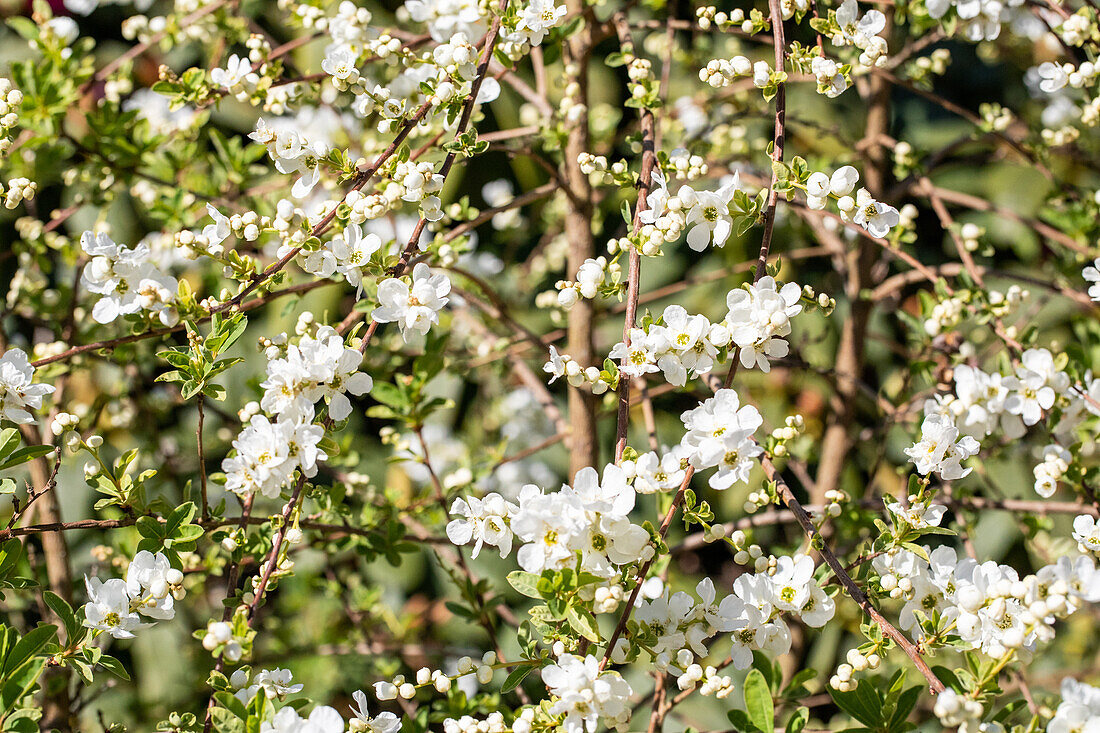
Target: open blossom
(317, 367)
(117, 606)
(352, 250)
(19, 396)
(874, 216)
(918, 515)
(485, 520)
(268, 453)
(538, 17)
(322, 719)
(362, 722)
(233, 76)
(759, 316)
(940, 449)
(716, 427)
(1086, 530)
(127, 279)
(1035, 385)
(585, 695)
(708, 218)
(414, 307)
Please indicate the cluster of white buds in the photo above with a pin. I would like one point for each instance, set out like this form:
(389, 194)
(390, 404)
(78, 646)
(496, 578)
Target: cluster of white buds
(755, 501)
(17, 190)
(591, 276)
(640, 73)
(945, 316)
(995, 116)
(385, 46)
(417, 183)
(970, 234)
(857, 661)
(493, 723)
(896, 587)
(710, 15)
(720, 73)
(1056, 462)
(955, 710)
(64, 424)
(713, 683)
(1062, 136)
(606, 598)
(791, 429)
(1076, 29)
(833, 499)
(904, 157)
(400, 687)
(750, 554)
(688, 167)
(591, 164)
(10, 99)
(1002, 304)
(219, 636)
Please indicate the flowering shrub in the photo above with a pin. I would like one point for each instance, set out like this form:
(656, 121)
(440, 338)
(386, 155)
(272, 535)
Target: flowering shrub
(531, 365)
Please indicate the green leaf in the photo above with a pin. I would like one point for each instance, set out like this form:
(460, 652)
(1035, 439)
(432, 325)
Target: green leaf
(64, 612)
(798, 720)
(26, 454)
(758, 701)
(27, 647)
(515, 677)
(584, 623)
(114, 666)
(525, 583)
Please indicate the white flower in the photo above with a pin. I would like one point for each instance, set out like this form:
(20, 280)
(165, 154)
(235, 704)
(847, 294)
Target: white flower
(323, 719)
(416, 307)
(585, 695)
(716, 427)
(486, 520)
(940, 450)
(19, 396)
(364, 723)
(708, 219)
(147, 584)
(918, 515)
(268, 453)
(538, 17)
(1086, 530)
(759, 316)
(108, 608)
(1054, 77)
(874, 216)
(276, 683)
(232, 77)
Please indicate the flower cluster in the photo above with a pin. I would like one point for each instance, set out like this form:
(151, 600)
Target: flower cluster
(293, 153)
(1079, 709)
(318, 367)
(122, 606)
(990, 607)
(128, 279)
(861, 209)
(413, 306)
(683, 346)
(585, 695)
